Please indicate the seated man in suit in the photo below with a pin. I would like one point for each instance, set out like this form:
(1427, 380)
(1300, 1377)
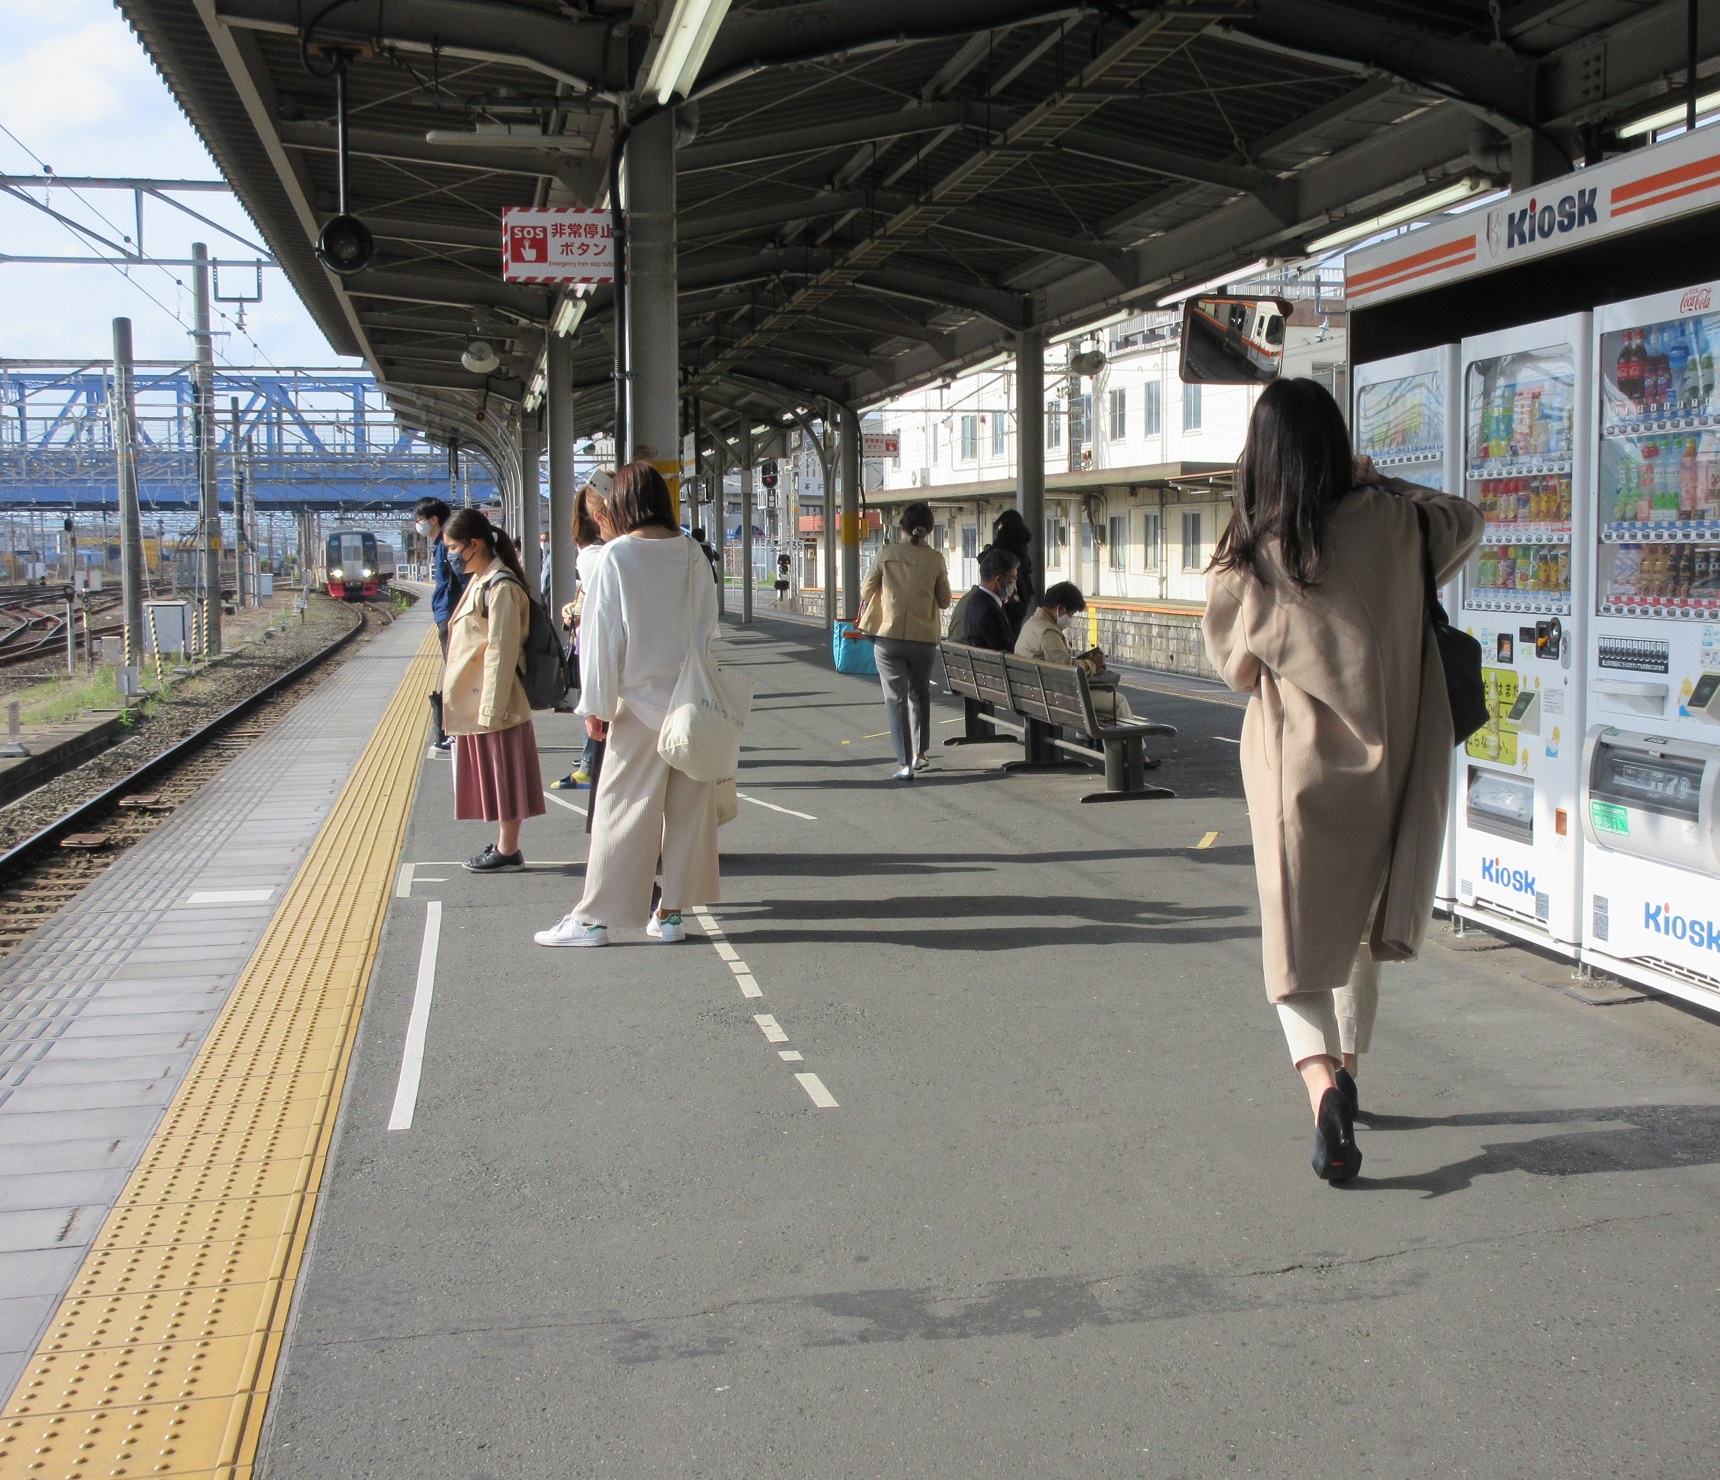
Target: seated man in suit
(980, 619)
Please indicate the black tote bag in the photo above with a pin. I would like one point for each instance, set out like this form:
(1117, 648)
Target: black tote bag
(1459, 653)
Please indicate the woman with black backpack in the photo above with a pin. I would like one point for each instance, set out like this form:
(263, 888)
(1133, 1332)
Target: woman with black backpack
(484, 703)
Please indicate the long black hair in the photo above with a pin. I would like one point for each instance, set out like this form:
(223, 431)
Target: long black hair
(1009, 530)
(471, 525)
(1295, 466)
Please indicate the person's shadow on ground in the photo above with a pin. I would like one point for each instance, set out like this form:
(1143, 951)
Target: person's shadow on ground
(1645, 1138)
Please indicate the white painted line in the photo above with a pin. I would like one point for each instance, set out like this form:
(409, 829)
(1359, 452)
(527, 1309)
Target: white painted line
(231, 896)
(725, 950)
(791, 1055)
(814, 1087)
(563, 802)
(769, 1026)
(749, 985)
(1227, 740)
(740, 968)
(786, 811)
(429, 879)
(418, 1023)
(403, 884)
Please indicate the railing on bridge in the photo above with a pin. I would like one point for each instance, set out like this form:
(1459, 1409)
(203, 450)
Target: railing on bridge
(304, 439)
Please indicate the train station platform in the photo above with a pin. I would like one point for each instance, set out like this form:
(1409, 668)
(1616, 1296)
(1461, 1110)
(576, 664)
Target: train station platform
(957, 1139)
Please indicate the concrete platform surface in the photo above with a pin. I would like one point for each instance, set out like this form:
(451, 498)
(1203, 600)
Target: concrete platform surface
(1059, 1220)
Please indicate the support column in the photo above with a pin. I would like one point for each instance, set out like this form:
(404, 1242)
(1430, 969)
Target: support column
(653, 326)
(828, 461)
(851, 465)
(1030, 447)
(130, 515)
(238, 504)
(531, 446)
(558, 397)
(746, 523)
(208, 494)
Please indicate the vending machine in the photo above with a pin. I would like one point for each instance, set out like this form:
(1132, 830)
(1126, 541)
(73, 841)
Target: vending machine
(1408, 418)
(1651, 764)
(1523, 596)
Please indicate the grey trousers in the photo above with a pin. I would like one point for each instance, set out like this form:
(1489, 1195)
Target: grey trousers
(905, 670)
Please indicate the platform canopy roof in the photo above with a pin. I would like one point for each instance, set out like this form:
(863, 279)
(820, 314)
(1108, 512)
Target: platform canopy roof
(875, 193)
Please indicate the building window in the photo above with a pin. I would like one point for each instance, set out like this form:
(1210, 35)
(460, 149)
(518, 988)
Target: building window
(1053, 423)
(1150, 537)
(1119, 415)
(1191, 541)
(999, 433)
(970, 542)
(940, 537)
(933, 437)
(1056, 540)
(1118, 539)
(1155, 409)
(970, 438)
(1191, 408)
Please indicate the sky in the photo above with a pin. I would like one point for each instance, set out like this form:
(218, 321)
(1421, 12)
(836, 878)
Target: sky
(78, 93)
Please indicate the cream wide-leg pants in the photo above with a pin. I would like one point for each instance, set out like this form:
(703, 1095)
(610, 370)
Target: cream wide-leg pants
(644, 809)
(1337, 1021)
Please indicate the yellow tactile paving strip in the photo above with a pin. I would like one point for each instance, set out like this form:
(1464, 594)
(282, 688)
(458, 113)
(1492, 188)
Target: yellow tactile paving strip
(161, 1356)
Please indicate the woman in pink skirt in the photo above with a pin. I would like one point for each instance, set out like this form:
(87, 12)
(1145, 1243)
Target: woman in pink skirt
(496, 773)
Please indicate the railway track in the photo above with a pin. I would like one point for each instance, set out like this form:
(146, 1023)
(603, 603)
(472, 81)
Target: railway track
(45, 872)
(33, 623)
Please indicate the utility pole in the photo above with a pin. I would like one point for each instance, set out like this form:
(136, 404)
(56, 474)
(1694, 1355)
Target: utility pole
(238, 505)
(130, 515)
(208, 494)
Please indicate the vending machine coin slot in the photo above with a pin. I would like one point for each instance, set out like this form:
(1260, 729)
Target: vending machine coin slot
(1526, 712)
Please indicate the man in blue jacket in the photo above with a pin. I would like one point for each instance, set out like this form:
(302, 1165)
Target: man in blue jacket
(431, 514)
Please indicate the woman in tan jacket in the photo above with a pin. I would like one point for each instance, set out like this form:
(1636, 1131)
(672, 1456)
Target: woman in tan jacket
(496, 773)
(900, 599)
(1315, 608)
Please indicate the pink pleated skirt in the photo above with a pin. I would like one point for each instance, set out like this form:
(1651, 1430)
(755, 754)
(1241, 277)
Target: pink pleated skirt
(497, 777)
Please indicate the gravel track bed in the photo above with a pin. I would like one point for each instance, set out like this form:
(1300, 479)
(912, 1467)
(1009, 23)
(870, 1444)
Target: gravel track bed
(186, 708)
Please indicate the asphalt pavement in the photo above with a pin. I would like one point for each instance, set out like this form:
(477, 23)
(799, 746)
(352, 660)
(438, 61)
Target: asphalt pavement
(1011, 1180)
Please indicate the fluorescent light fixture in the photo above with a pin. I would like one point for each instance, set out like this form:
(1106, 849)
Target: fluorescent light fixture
(692, 28)
(1231, 275)
(567, 316)
(1707, 103)
(1459, 191)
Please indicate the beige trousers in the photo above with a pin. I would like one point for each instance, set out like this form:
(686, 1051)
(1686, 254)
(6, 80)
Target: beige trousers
(645, 808)
(1337, 1021)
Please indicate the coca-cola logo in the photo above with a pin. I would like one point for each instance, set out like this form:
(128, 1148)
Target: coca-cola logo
(1697, 300)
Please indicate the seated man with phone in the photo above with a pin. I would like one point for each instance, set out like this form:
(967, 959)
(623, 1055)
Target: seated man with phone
(1042, 637)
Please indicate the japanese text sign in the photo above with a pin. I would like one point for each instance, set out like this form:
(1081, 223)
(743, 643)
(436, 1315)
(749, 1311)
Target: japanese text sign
(557, 244)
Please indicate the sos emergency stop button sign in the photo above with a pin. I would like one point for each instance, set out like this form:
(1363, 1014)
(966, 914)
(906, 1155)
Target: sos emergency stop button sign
(557, 244)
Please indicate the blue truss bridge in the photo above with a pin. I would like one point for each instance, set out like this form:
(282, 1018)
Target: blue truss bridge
(321, 440)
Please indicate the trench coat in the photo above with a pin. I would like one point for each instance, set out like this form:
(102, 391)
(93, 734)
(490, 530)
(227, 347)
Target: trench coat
(481, 688)
(1347, 740)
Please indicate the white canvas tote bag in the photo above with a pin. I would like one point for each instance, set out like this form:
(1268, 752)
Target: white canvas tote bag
(701, 734)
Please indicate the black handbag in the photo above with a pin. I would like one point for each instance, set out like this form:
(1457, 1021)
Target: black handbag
(1459, 653)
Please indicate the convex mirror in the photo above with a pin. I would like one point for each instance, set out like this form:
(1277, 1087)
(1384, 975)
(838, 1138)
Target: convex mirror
(1232, 341)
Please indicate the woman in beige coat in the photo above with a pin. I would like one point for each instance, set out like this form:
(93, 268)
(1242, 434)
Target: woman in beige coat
(496, 773)
(1315, 608)
(900, 599)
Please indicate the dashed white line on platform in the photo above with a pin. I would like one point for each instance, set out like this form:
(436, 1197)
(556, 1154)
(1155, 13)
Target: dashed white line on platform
(814, 1087)
(403, 883)
(788, 811)
(770, 1027)
(792, 1055)
(1227, 740)
(418, 1023)
(231, 896)
(749, 985)
(725, 950)
(563, 802)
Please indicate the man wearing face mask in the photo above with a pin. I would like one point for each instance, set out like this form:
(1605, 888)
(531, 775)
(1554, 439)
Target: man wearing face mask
(429, 515)
(1043, 637)
(546, 583)
(981, 619)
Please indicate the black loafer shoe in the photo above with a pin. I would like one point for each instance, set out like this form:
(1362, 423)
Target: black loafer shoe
(492, 862)
(1352, 1095)
(1337, 1158)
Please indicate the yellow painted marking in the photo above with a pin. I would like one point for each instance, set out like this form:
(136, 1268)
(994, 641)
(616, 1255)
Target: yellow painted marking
(847, 742)
(1207, 841)
(161, 1356)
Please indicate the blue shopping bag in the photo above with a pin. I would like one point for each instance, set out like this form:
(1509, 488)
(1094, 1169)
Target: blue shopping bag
(852, 650)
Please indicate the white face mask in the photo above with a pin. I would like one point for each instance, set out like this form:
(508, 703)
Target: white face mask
(423, 527)
(1064, 620)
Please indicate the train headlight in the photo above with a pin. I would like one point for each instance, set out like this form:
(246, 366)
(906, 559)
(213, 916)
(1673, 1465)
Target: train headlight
(336, 573)
(368, 571)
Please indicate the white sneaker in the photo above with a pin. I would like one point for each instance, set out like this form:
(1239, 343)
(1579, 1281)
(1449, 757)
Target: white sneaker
(922, 762)
(670, 931)
(571, 932)
(905, 774)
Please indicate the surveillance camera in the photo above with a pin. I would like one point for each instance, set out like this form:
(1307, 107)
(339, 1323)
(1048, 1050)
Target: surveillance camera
(479, 358)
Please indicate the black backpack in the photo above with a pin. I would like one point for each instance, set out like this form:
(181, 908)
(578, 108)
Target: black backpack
(547, 670)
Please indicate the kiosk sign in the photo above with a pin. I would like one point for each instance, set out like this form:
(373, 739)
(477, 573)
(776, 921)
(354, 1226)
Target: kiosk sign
(557, 244)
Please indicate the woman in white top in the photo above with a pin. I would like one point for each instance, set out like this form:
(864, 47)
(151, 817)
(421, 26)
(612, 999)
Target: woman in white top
(590, 532)
(650, 602)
